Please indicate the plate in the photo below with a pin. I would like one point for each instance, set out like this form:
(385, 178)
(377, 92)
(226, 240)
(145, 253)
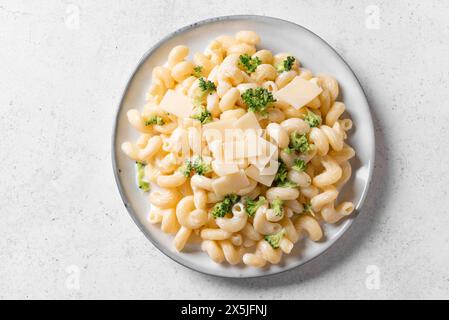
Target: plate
(278, 36)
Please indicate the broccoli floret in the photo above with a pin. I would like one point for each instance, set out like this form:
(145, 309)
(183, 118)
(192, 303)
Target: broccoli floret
(258, 100)
(198, 166)
(155, 120)
(286, 65)
(308, 209)
(281, 180)
(281, 174)
(207, 86)
(220, 209)
(201, 167)
(197, 71)
(299, 142)
(187, 168)
(248, 63)
(204, 116)
(288, 184)
(275, 239)
(143, 185)
(312, 119)
(299, 165)
(277, 206)
(252, 205)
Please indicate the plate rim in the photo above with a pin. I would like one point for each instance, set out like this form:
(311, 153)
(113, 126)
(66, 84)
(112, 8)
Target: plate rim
(172, 255)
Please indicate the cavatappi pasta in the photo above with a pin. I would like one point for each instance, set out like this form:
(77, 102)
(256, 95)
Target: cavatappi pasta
(242, 148)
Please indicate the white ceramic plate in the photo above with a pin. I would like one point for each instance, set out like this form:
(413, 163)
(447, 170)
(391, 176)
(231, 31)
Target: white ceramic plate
(278, 36)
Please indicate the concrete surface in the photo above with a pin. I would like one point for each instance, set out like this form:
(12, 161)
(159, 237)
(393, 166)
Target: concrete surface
(64, 231)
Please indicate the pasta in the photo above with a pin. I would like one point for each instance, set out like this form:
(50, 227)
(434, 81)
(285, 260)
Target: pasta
(242, 149)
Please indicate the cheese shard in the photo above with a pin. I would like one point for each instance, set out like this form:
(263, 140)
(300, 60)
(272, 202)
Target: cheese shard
(254, 173)
(224, 168)
(234, 149)
(248, 122)
(254, 144)
(216, 130)
(232, 183)
(249, 146)
(176, 103)
(266, 151)
(216, 149)
(298, 92)
(271, 168)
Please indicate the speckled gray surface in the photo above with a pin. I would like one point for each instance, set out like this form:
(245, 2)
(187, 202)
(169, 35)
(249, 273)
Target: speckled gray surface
(64, 231)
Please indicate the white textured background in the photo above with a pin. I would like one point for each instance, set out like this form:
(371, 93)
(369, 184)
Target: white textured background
(59, 206)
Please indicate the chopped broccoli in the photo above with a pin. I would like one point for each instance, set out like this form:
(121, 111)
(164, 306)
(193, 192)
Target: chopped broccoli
(308, 209)
(248, 63)
(288, 184)
(204, 116)
(288, 150)
(277, 206)
(281, 180)
(258, 100)
(286, 65)
(143, 185)
(206, 86)
(275, 239)
(197, 71)
(299, 165)
(281, 174)
(187, 168)
(201, 167)
(312, 119)
(198, 166)
(155, 120)
(220, 209)
(299, 142)
(252, 205)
